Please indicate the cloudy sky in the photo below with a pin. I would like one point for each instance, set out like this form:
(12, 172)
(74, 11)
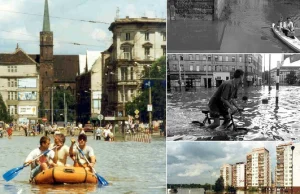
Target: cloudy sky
(200, 162)
(18, 26)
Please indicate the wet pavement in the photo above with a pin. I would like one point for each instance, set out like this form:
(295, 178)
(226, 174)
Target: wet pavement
(245, 29)
(264, 122)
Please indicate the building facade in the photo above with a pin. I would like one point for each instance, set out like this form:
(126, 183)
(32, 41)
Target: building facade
(19, 83)
(137, 43)
(288, 167)
(239, 175)
(258, 169)
(226, 172)
(210, 70)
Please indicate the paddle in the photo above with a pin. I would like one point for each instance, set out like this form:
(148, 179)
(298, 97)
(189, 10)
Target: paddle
(101, 180)
(15, 171)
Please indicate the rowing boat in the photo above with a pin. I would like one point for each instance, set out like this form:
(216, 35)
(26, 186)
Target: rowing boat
(61, 174)
(292, 43)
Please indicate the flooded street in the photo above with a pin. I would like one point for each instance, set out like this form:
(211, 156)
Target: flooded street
(129, 167)
(263, 121)
(201, 191)
(246, 28)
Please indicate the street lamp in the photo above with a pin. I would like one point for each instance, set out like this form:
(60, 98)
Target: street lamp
(293, 147)
(210, 180)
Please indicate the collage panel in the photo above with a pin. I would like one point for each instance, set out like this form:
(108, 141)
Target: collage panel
(233, 167)
(233, 26)
(236, 97)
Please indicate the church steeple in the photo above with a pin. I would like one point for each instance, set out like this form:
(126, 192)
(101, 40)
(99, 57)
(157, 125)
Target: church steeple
(46, 23)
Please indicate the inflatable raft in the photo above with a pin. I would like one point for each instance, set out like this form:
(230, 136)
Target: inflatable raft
(62, 174)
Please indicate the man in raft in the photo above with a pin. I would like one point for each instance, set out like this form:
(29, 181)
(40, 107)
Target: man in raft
(88, 151)
(62, 150)
(43, 162)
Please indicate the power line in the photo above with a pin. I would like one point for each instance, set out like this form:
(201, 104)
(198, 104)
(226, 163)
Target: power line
(89, 21)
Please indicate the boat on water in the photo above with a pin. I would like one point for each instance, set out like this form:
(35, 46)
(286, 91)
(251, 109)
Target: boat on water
(62, 174)
(292, 43)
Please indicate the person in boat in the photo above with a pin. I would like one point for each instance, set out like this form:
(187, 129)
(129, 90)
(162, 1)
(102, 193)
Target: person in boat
(43, 162)
(280, 24)
(290, 28)
(88, 151)
(62, 149)
(223, 99)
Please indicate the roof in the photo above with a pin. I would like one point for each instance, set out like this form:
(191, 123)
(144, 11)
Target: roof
(127, 20)
(18, 57)
(66, 67)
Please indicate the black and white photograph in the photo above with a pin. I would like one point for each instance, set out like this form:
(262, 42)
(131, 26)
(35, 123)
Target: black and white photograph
(238, 97)
(233, 26)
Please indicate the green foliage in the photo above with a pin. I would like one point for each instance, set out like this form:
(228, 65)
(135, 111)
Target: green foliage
(291, 78)
(58, 102)
(253, 189)
(219, 185)
(4, 115)
(158, 91)
(231, 189)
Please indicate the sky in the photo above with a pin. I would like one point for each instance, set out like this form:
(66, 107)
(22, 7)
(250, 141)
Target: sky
(274, 59)
(24, 29)
(200, 162)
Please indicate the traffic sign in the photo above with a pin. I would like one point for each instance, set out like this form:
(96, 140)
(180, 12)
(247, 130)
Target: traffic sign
(149, 107)
(100, 117)
(136, 111)
(136, 116)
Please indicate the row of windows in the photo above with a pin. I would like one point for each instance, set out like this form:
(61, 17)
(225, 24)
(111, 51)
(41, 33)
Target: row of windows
(12, 68)
(12, 110)
(146, 36)
(127, 53)
(12, 83)
(126, 95)
(213, 68)
(209, 58)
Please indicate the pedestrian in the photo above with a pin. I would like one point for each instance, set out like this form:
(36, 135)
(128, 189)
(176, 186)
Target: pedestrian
(98, 133)
(106, 133)
(223, 99)
(9, 132)
(62, 149)
(43, 162)
(88, 151)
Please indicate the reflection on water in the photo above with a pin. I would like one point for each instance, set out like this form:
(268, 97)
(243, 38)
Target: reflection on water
(264, 121)
(129, 167)
(247, 29)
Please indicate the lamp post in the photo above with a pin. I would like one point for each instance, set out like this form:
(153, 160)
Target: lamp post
(293, 147)
(210, 180)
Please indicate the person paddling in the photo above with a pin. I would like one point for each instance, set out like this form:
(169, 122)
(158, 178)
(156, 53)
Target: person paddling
(290, 28)
(43, 162)
(88, 151)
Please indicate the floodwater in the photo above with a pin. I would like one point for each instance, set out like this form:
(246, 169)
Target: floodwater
(263, 121)
(129, 167)
(201, 191)
(246, 28)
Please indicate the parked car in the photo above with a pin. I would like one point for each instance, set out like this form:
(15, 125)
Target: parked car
(88, 128)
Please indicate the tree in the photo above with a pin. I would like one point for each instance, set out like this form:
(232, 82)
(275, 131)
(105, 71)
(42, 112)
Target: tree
(4, 115)
(58, 105)
(219, 185)
(158, 91)
(291, 78)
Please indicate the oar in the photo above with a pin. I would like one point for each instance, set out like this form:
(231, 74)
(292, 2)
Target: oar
(101, 180)
(15, 171)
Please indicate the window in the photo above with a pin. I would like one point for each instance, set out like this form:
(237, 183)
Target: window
(226, 58)
(11, 68)
(191, 67)
(250, 59)
(209, 58)
(164, 51)
(216, 58)
(127, 36)
(190, 57)
(164, 36)
(209, 68)
(175, 67)
(204, 57)
(8, 68)
(131, 73)
(197, 68)
(233, 59)
(126, 51)
(147, 52)
(146, 35)
(174, 57)
(15, 68)
(220, 58)
(124, 73)
(241, 59)
(197, 57)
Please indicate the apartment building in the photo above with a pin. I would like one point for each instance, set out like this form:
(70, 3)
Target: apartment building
(288, 166)
(258, 168)
(226, 172)
(238, 175)
(19, 86)
(210, 70)
(137, 43)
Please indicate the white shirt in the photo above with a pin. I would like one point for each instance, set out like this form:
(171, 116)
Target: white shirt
(62, 154)
(88, 152)
(35, 153)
